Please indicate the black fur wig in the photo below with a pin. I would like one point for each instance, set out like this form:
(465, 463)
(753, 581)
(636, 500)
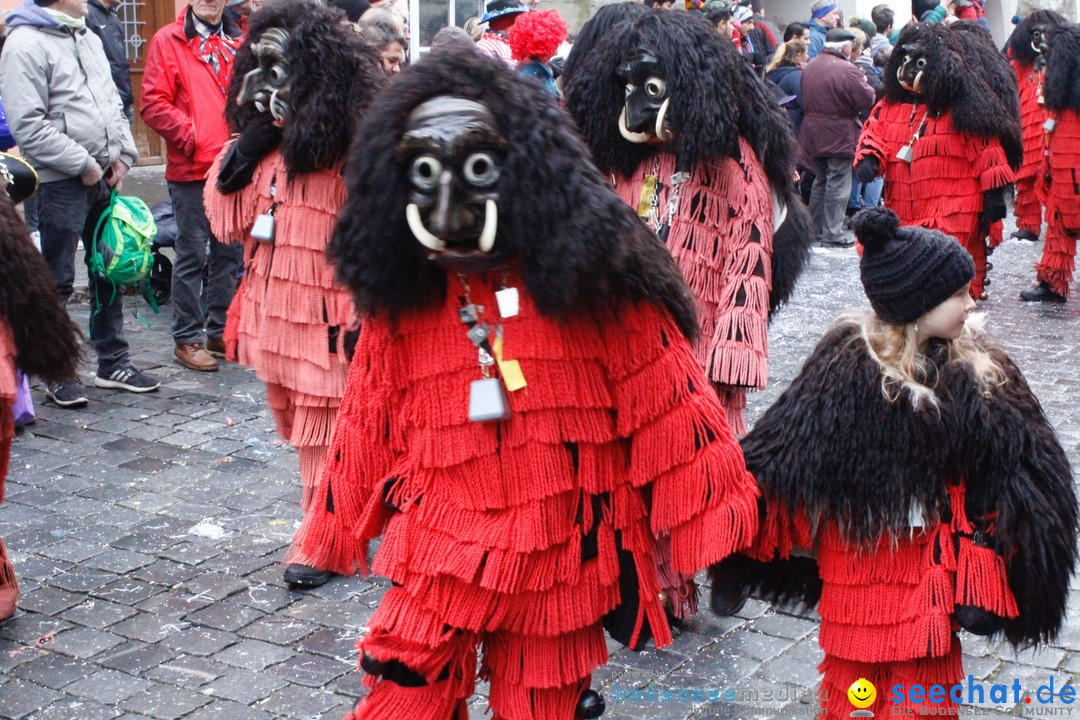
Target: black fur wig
(1061, 87)
(835, 447)
(716, 98)
(578, 245)
(983, 103)
(335, 74)
(46, 341)
(1020, 41)
(599, 26)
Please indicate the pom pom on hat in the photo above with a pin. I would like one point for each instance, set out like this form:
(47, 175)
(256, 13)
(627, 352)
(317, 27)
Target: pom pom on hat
(908, 271)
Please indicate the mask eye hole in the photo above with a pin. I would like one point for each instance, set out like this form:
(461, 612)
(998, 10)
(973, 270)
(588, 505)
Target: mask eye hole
(480, 169)
(920, 64)
(425, 172)
(655, 87)
(277, 74)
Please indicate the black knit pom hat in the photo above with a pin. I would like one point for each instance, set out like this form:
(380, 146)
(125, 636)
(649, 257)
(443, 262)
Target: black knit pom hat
(908, 271)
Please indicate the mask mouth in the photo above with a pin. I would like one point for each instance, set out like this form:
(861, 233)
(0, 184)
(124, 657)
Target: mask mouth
(659, 132)
(915, 86)
(628, 135)
(445, 252)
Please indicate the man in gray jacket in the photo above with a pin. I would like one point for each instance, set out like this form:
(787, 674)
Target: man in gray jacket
(64, 111)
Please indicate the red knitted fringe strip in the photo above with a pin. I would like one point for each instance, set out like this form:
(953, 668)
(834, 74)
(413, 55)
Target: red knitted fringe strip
(1028, 208)
(839, 674)
(981, 580)
(518, 702)
(9, 586)
(532, 661)
(1058, 259)
(312, 461)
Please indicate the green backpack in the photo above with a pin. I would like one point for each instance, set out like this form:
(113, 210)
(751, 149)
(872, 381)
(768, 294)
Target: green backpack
(122, 239)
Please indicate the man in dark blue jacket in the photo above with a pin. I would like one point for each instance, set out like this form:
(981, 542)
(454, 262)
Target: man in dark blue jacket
(102, 20)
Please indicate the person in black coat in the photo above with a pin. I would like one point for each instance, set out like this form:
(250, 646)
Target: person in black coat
(101, 18)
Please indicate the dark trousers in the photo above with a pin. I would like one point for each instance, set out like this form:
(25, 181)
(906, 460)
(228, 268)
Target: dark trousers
(829, 198)
(69, 211)
(195, 247)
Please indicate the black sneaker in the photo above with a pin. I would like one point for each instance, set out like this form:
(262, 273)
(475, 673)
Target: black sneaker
(125, 378)
(68, 394)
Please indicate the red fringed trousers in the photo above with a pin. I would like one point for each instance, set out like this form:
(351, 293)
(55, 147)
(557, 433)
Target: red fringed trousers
(532, 677)
(1062, 204)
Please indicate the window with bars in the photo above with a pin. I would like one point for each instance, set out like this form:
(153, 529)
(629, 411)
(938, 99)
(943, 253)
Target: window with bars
(132, 14)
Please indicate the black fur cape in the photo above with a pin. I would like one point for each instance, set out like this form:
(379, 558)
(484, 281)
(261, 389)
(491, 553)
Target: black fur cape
(832, 445)
(1061, 87)
(46, 340)
(1020, 48)
(578, 245)
(715, 99)
(335, 75)
(985, 103)
(599, 26)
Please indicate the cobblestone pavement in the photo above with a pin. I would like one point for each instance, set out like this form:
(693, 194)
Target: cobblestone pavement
(147, 531)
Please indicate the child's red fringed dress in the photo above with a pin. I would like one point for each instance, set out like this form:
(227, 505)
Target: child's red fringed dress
(721, 236)
(1058, 261)
(505, 534)
(942, 187)
(289, 317)
(1029, 206)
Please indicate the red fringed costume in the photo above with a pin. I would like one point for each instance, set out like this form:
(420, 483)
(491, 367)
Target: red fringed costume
(1062, 203)
(721, 236)
(289, 317)
(9, 587)
(508, 531)
(942, 187)
(1029, 207)
(897, 553)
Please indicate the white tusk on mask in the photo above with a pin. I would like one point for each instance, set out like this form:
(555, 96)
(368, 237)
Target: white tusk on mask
(779, 211)
(918, 82)
(634, 137)
(661, 132)
(491, 223)
(412, 215)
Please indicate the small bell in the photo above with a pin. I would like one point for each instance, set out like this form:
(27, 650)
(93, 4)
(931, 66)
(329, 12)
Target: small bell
(984, 296)
(590, 705)
(906, 153)
(989, 266)
(986, 282)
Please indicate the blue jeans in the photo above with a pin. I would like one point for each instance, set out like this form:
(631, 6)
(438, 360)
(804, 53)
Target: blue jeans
(195, 247)
(69, 211)
(866, 195)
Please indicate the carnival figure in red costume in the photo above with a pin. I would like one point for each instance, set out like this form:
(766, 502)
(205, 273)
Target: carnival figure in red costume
(1061, 167)
(912, 485)
(946, 139)
(35, 331)
(693, 142)
(525, 423)
(1027, 53)
(298, 90)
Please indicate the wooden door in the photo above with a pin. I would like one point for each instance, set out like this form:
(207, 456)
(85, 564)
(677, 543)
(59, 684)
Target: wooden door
(141, 19)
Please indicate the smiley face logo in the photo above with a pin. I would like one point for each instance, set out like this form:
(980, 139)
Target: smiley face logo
(862, 693)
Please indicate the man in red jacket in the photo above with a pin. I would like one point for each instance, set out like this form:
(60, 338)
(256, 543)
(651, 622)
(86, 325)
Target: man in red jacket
(188, 67)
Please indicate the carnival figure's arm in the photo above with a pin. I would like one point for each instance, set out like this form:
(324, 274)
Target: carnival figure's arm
(872, 150)
(995, 176)
(231, 214)
(347, 510)
(257, 140)
(702, 498)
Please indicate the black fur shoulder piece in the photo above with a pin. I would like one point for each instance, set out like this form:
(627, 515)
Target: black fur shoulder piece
(1020, 41)
(578, 245)
(982, 103)
(335, 74)
(715, 97)
(1061, 87)
(46, 341)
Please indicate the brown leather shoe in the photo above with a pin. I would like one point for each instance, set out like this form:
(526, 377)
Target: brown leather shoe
(193, 356)
(216, 347)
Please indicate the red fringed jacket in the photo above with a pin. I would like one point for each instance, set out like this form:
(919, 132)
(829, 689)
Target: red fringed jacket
(942, 187)
(1032, 117)
(1063, 194)
(617, 430)
(721, 236)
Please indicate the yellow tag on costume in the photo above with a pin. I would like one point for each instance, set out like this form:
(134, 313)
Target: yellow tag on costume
(510, 370)
(648, 195)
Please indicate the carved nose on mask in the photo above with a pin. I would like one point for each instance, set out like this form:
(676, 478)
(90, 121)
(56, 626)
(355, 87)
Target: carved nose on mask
(440, 220)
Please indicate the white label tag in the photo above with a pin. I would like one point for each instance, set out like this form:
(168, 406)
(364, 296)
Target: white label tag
(508, 301)
(487, 401)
